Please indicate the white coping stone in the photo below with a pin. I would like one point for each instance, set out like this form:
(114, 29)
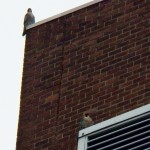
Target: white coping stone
(64, 13)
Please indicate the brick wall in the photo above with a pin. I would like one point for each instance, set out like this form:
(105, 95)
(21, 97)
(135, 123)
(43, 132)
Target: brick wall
(94, 58)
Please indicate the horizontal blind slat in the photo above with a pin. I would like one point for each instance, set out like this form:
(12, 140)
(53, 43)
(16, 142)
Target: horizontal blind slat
(125, 134)
(140, 146)
(120, 136)
(119, 148)
(143, 121)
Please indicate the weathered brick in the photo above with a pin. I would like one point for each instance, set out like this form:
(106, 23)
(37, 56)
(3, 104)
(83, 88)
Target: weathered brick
(93, 58)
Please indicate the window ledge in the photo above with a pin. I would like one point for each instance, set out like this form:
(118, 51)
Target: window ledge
(117, 119)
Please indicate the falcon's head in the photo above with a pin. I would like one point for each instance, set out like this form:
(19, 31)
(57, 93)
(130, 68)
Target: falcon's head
(29, 10)
(86, 114)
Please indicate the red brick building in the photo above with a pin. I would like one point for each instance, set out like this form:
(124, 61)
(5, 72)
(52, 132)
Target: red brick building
(95, 56)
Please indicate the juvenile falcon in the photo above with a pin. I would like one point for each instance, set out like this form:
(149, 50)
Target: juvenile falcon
(86, 121)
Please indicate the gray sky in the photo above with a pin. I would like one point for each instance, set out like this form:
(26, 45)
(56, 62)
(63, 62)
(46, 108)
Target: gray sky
(11, 57)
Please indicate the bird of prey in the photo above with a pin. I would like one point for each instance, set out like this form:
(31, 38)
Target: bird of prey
(86, 121)
(28, 20)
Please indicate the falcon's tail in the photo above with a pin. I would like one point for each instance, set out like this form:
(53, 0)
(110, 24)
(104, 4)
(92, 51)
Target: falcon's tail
(24, 31)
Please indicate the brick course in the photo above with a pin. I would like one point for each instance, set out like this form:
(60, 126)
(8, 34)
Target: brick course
(94, 58)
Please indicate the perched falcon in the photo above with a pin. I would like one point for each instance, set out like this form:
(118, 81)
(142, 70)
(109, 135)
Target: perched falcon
(28, 20)
(86, 121)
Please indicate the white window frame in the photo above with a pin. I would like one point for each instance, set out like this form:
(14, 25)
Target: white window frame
(82, 137)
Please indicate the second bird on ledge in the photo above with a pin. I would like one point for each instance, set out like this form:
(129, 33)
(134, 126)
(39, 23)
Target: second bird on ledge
(87, 121)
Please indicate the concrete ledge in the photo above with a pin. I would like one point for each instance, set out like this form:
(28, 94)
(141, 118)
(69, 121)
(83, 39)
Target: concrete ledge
(64, 13)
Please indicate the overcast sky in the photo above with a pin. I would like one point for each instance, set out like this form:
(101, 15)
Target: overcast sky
(11, 57)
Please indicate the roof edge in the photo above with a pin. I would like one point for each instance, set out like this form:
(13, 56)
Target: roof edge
(63, 13)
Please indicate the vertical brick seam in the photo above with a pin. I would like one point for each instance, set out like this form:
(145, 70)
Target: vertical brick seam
(60, 87)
